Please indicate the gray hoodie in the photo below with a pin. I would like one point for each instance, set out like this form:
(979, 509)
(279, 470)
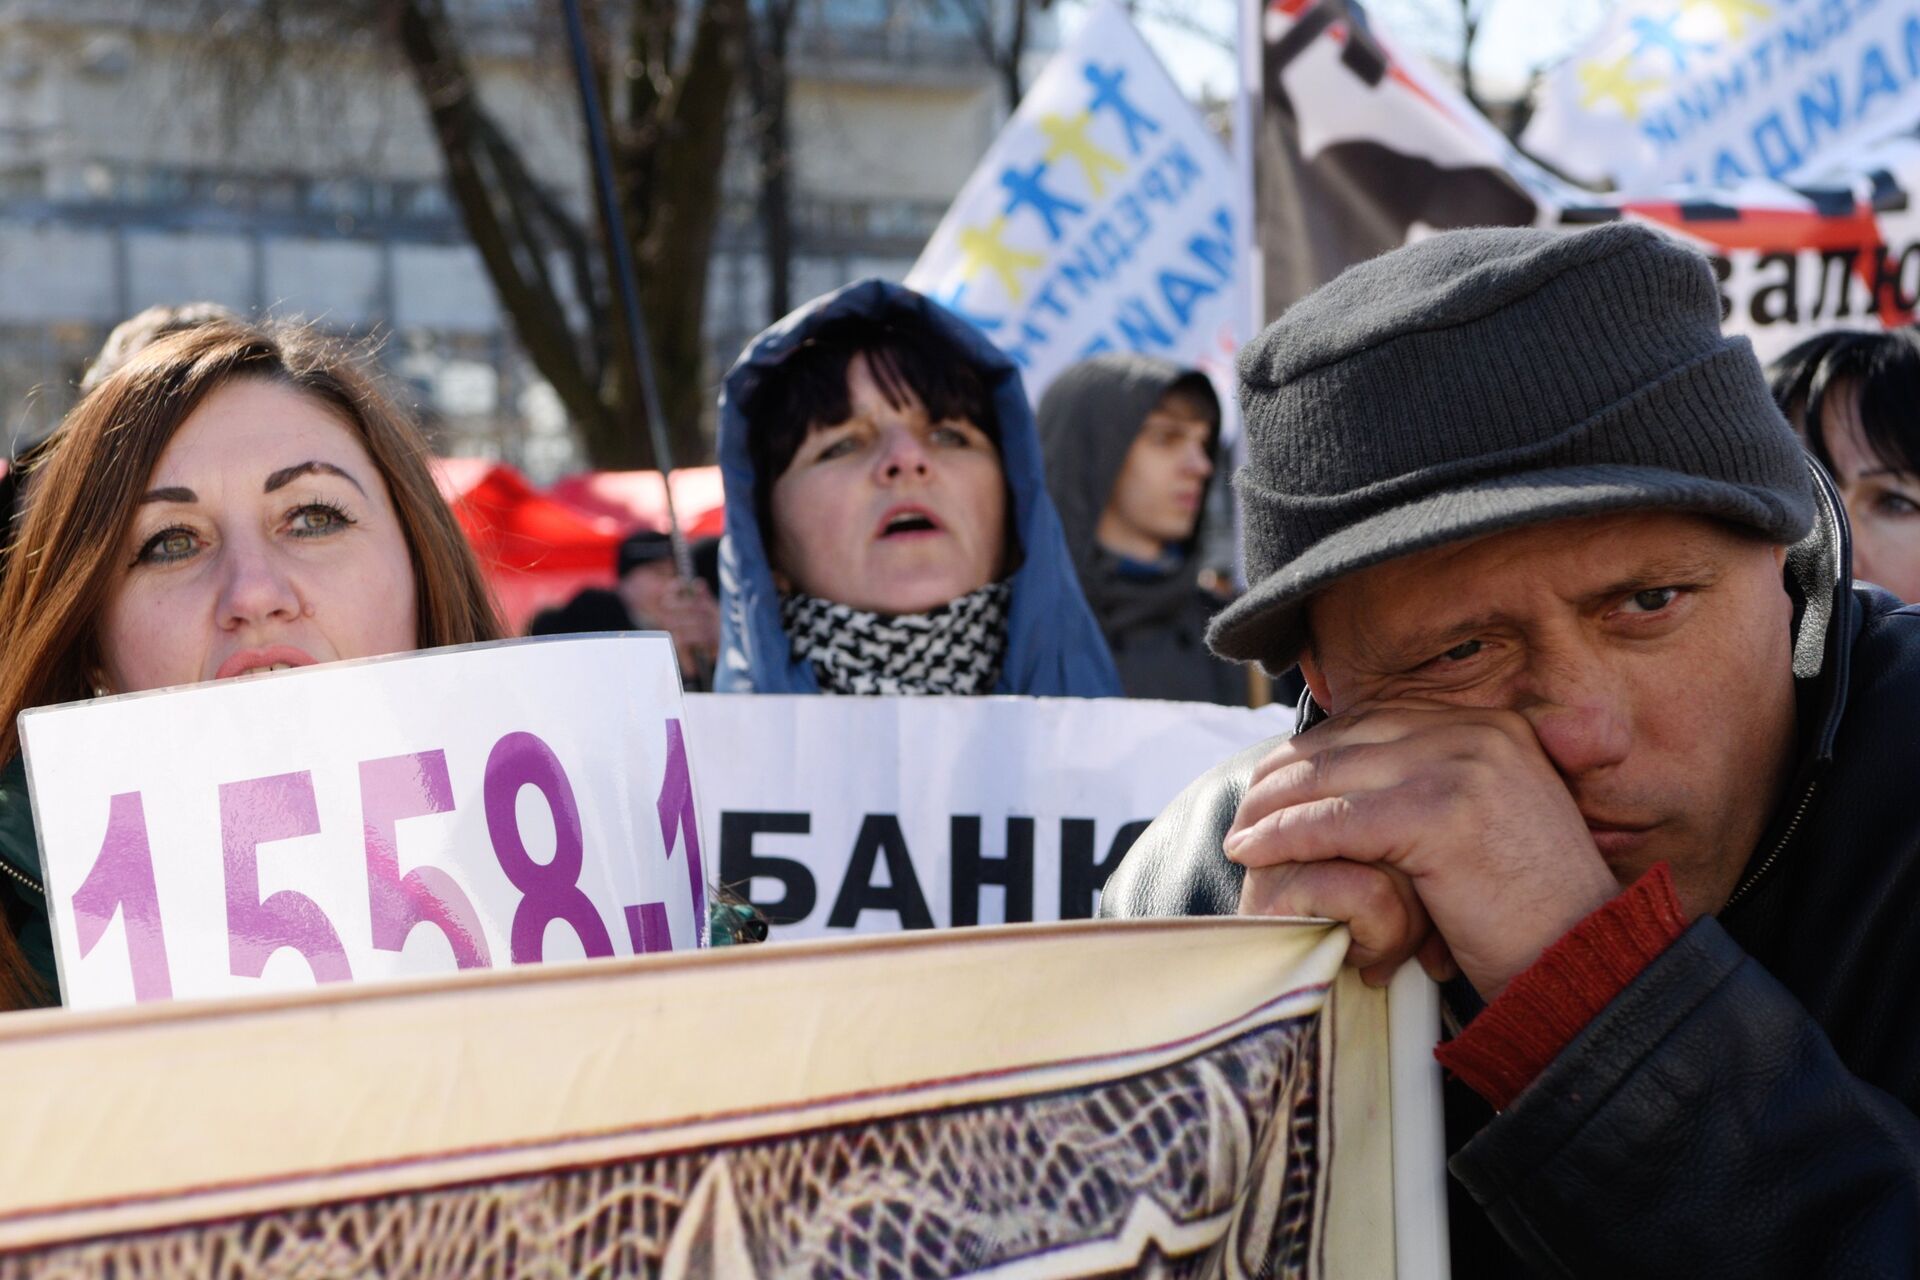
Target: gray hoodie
(1155, 624)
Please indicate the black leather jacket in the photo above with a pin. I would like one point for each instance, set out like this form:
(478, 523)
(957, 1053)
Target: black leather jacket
(1746, 1107)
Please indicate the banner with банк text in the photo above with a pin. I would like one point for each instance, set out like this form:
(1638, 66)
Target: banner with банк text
(864, 815)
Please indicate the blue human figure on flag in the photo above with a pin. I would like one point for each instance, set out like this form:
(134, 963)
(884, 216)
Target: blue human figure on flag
(1026, 189)
(1108, 96)
(1660, 34)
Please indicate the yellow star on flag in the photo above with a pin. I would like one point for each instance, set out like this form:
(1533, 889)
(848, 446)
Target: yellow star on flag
(1736, 13)
(1614, 80)
(1067, 137)
(987, 247)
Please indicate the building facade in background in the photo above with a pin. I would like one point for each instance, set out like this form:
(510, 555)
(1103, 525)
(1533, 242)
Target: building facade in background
(146, 157)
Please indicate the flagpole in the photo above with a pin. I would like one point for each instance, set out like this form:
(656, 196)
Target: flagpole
(625, 281)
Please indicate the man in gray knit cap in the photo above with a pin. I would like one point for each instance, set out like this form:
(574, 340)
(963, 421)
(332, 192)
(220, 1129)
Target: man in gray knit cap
(1598, 730)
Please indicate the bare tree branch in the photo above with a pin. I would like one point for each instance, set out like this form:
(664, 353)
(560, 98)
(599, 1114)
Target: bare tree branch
(671, 82)
(1176, 16)
(1455, 30)
(1004, 46)
(490, 187)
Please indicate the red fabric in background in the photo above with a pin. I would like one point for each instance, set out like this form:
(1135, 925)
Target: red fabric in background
(639, 501)
(541, 549)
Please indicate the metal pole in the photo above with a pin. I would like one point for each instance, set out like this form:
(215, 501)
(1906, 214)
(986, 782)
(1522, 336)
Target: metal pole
(625, 282)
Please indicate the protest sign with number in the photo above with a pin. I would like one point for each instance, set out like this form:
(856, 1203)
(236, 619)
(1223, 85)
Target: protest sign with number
(523, 801)
(868, 815)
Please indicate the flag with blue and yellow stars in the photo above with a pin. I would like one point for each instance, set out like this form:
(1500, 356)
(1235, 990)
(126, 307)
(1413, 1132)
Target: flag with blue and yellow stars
(1106, 217)
(1726, 93)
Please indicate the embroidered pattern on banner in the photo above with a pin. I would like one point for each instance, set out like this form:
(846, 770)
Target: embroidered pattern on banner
(1208, 1167)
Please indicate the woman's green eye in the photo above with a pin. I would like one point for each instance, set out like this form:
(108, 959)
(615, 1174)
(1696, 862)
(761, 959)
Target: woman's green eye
(166, 547)
(317, 520)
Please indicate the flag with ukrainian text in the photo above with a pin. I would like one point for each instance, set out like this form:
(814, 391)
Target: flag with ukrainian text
(1105, 218)
(1727, 92)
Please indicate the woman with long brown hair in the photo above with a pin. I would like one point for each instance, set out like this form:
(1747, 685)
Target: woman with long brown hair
(233, 499)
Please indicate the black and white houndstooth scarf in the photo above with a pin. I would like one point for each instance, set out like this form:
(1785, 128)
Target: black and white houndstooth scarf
(956, 648)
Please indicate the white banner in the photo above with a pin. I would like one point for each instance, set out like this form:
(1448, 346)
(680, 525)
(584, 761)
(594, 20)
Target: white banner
(1724, 92)
(527, 800)
(1105, 218)
(871, 815)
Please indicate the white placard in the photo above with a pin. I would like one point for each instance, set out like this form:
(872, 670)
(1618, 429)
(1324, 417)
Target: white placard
(1106, 217)
(470, 807)
(870, 815)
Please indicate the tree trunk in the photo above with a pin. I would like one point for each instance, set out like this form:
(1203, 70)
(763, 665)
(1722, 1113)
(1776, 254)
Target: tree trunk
(549, 264)
(504, 213)
(677, 247)
(667, 156)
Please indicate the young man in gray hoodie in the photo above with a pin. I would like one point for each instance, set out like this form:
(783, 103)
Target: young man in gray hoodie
(1130, 444)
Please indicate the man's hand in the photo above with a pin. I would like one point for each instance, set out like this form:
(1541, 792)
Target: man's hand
(689, 612)
(1431, 830)
(685, 610)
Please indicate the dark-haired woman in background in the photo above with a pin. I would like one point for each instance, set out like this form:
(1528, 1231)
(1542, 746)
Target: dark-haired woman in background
(1855, 399)
(888, 525)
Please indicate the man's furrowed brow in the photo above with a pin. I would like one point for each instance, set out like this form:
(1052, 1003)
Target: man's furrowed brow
(287, 475)
(1419, 644)
(1663, 571)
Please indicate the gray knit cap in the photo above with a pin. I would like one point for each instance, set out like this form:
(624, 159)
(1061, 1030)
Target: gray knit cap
(1482, 380)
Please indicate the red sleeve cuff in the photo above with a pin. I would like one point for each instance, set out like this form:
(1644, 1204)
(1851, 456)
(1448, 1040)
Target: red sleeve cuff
(1546, 1006)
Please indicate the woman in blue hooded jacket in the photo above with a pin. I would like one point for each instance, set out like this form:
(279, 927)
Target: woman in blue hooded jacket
(888, 525)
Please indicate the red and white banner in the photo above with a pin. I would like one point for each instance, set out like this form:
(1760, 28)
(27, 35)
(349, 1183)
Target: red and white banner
(1724, 92)
(1359, 150)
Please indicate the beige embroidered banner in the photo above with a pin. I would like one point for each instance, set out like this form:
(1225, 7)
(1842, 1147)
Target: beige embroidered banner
(1164, 1098)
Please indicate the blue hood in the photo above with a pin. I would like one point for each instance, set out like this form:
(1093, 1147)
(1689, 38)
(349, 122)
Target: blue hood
(1053, 644)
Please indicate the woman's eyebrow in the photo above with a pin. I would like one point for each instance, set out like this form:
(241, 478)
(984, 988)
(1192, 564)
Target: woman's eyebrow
(286, 475)
(174, 494)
